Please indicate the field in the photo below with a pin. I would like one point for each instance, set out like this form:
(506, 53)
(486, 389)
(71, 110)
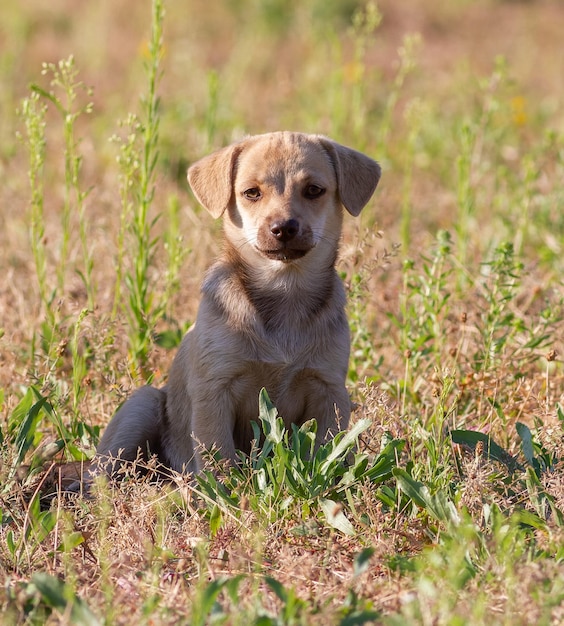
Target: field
(445, 503)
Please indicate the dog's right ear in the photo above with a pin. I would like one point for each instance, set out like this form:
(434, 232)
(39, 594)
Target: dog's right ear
(211, 179)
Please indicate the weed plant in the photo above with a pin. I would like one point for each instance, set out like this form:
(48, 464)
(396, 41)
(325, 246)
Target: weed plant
(444, 502)
(138, 160)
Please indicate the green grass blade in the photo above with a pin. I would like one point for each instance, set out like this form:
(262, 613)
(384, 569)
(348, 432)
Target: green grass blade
(491, 449)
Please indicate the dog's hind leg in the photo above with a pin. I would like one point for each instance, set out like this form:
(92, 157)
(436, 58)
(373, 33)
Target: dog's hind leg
(135, 431)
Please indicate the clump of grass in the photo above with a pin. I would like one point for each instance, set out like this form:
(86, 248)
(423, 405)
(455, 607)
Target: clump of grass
(287, 469)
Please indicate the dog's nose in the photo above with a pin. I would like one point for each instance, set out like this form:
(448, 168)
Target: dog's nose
(285, 230)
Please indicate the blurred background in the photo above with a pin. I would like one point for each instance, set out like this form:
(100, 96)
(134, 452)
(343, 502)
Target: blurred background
(367, 74)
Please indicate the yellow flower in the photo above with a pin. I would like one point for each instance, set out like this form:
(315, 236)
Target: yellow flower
(518, 110)
(353, 72)
(144, 50)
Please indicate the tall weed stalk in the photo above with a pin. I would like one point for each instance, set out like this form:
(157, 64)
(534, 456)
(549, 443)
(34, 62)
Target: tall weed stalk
(365, 23)
(63, 94)
(424, 304)
(475, 136)
(414, 120)
(33, 114)
(138, 160)
(407, 64)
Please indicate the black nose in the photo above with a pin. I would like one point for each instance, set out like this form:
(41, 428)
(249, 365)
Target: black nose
(285, 230)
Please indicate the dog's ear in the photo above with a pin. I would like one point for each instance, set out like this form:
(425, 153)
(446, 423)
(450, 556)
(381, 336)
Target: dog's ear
(357, 175)
(211, 179)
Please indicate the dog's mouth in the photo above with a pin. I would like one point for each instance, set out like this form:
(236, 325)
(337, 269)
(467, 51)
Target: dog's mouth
(285, 254)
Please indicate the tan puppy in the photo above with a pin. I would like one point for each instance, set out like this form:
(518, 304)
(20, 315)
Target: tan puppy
(273, 308)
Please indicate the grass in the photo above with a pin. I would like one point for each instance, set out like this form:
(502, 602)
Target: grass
(444, 504)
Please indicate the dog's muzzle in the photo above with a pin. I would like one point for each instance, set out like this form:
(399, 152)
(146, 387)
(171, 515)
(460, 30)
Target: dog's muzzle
(284, 241)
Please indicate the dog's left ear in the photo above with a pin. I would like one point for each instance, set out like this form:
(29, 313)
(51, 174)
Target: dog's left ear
(357, 175)
(211, 179)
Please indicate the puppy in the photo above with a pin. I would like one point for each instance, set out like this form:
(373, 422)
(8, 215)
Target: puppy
(272, 312)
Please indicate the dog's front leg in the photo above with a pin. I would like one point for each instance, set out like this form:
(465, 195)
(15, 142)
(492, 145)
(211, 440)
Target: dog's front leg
(330, 405)
(213, 424)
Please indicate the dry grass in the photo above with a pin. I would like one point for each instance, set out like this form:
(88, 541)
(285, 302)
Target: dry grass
(460, 332)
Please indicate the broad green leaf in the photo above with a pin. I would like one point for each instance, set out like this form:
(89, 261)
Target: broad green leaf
(412, 488)
(27, 431)
(10, 542)
(387, 496)
(205, 601)
(530, 519)
(169, 339)
(345, 444)
(362, 561)
(526, 442)
(56, 594)
(20, 411)
(71, 541)
(492, 450)
(215, 520)
(277, 587)
(437, 505)
(232, 588)
(560, 414)
(335, 516)
(272, 425)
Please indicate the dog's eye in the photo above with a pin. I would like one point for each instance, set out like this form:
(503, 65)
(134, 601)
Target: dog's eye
(252, 194)
(313, 191)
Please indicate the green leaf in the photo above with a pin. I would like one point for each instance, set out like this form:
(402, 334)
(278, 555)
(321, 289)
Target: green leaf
(169, 339)
(492, 450)
(205, 601)
(215, 520)
(232, 588)
(273, 426)
(27, 431)
(76, 453)
(57, 595)
(526, 442)
(413, 489)
(277, 587)
(344, 444)
(362, 561)
(20, 411)
(560, 414)
(387, 496)
(437, 505)
(528, 518)
(10, 542)
(71, 541)
(335, 516)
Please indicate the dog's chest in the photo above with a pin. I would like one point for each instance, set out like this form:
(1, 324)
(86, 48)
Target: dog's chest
(281, 350)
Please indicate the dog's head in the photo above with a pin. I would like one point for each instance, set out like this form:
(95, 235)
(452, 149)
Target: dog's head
(282, 193)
